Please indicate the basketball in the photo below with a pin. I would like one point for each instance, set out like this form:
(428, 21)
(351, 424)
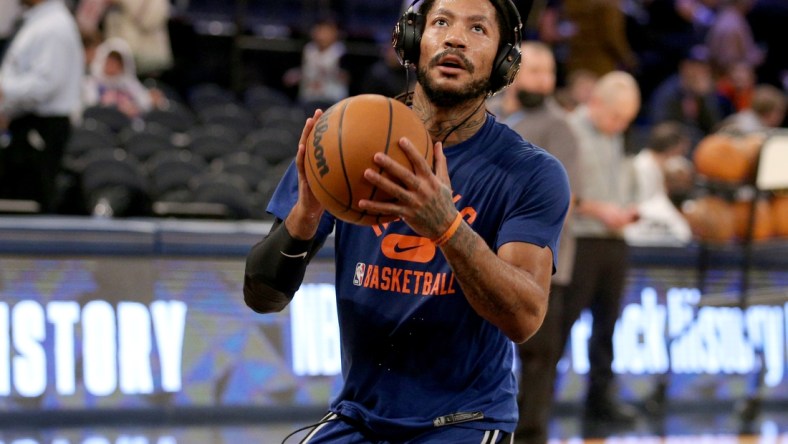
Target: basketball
(762, 228)
(780, 215)
(726, 157)
(342, 145)
(710, 218)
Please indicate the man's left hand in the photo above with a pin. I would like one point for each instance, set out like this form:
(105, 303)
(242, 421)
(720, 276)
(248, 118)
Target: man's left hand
(424, 199)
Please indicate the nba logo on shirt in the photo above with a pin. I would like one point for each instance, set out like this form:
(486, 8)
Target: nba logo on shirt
(359, 277)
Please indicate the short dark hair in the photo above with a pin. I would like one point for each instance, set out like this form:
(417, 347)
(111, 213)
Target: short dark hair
(501, 15)
(766, 99)
(666, 135)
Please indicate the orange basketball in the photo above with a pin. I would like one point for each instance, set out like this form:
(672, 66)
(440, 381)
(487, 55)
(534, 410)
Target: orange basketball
(763, 227)
(341, 147)
(710, 218)
(780, 215)
(726, 157)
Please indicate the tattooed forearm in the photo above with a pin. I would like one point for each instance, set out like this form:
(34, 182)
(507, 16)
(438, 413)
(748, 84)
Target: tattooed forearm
(472, 279)
(508, 296)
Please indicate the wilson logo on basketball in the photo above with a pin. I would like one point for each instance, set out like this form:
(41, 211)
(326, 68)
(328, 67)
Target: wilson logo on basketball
(320, 152)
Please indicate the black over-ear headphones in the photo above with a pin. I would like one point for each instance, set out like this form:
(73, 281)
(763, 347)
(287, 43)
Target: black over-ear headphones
(406, 40)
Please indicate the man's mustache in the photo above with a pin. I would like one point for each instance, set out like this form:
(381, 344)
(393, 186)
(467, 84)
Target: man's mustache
(466, 64)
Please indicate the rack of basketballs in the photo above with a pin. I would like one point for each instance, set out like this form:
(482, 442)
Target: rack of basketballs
(727, 206)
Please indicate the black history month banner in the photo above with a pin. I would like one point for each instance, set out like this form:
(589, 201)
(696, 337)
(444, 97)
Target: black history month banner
(133, 327)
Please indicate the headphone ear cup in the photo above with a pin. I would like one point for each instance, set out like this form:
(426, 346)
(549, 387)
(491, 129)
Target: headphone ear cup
(507, 63)
(407, 37)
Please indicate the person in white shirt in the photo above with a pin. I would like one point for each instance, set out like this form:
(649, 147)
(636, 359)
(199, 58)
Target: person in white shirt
(660, 221)
(40, 84)
(113, 80)
(321, 78)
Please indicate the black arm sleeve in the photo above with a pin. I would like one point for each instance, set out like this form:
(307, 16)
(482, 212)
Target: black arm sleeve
(275, 268)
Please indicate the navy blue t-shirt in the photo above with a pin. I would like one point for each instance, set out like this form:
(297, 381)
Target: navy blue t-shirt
(413, 349)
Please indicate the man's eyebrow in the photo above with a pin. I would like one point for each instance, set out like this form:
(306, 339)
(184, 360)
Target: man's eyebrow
(478, 18)
(450, 14)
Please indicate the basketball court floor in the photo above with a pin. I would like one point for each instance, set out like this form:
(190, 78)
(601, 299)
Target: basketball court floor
(686, 427)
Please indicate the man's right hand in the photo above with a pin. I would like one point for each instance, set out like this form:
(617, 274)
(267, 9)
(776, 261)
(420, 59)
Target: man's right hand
(304, 218)
(616, 217)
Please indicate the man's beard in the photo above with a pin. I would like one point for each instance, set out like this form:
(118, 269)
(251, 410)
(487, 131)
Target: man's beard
(444, 98)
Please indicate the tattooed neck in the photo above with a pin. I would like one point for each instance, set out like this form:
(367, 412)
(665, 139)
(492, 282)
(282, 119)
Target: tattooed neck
(458, 123)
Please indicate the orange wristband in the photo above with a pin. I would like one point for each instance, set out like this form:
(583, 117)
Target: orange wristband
(443, 238)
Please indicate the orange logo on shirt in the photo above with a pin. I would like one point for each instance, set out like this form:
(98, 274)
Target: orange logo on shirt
(416, 249)
(404, 281)
(408, 248)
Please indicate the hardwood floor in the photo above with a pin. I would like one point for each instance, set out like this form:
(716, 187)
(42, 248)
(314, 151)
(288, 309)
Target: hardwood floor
(771, 427)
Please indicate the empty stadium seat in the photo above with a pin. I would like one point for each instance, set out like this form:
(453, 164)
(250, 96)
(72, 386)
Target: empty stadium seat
(108, 115)
(175, 116)
(272, 144)
(230, 116)
(147, 141)
(251, 168)
(114, 184)
(212, 141)
(169, 174)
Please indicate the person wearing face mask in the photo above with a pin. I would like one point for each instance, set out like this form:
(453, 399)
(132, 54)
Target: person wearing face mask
(540, 120)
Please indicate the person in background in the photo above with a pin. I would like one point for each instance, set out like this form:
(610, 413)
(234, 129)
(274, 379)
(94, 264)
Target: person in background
(689, 96)
(660, 220)
(113, 80)
(660, 31)
(766, 112)
(8, 21)
(144, 26)
(90, 43)
(730, 39)
(541, 121)
(736, 87)
(555, 30)
(602, 209)
(577, 90)
(40, 81)
(322, 80)
(599, 43)
(386, 76)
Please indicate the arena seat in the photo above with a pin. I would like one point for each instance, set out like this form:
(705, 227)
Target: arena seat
(89, 135)
(207, 95)
(175, 116)
(169, 174)
(212, 141)
(146, 142)
(230, 116)
(260, 98)
(225, 189)
(108, 115)
(272, 144)
(114, 184)
(251, 168)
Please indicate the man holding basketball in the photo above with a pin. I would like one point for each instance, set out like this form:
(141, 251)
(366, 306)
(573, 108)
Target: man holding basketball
(432, 363)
